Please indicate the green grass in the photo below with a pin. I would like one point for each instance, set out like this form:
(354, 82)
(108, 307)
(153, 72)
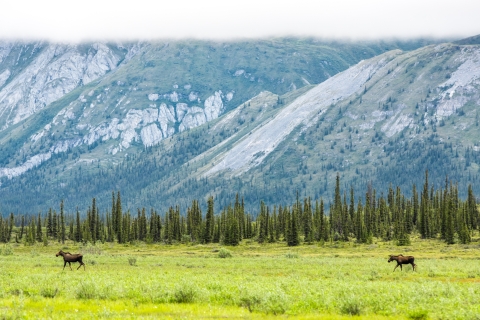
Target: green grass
(258, 281)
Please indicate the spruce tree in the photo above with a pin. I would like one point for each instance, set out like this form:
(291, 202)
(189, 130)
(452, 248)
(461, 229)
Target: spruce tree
(425, 210)
(308, 221)
(471, 210)
(50, 223)
(209, 221)
(262, 222)
(114, 214)
(22, 227)
(39, 234)
(78, 228)
(271, 228)
(293, 238)
(54, 226)
(119, 219)
(449, 220)
(232, 234)
(62, 223)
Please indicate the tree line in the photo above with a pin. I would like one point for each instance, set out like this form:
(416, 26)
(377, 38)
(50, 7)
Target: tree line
(390, 216)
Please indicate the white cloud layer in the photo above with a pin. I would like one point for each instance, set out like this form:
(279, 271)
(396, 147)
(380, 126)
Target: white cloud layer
(74, 21)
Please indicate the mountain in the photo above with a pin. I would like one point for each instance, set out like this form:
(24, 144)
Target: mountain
(170, 121)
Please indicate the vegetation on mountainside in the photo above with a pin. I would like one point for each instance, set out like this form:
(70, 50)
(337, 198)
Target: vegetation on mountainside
(164, 173)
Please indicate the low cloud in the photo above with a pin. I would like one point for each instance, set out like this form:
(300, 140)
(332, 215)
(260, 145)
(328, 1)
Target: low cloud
(212, 19)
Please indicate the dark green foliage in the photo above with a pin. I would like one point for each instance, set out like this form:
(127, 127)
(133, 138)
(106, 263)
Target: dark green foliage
(441, 214)
(209, 222)
(293, 237)
(62, 224)
(232, 229)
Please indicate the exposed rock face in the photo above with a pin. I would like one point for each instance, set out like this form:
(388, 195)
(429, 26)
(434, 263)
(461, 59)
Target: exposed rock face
(251, 151)
(461, 81)
(54, 70)
(114, 115)
(151, 135)
(148, 127)
(213, 106)
(194, 117)
(29, 164)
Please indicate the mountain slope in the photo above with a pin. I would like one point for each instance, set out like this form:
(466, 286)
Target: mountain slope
(33, 75)
(145, 92)
(363, 123)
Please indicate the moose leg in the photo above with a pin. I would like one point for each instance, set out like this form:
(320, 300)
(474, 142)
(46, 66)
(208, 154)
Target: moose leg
(401, 268)
(396, 267)
(81, 264)
(413, 266)
(70, 265)
(64, 264)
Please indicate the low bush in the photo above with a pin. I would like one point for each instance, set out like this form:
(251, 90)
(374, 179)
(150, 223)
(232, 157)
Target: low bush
(132, 261)
(184, 293)
(7, 250)
(224, 253)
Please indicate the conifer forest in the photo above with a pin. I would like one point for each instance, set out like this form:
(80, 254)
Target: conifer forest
(388, 215)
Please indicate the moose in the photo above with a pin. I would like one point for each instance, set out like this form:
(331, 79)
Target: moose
(68, 257)
(402, 260)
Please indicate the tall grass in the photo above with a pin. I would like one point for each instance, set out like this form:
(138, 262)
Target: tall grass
(261, 280)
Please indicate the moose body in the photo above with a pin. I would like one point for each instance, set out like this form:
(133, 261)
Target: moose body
(403, 260)
(68, 257)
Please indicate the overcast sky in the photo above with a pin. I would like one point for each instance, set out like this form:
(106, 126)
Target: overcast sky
(75, 21)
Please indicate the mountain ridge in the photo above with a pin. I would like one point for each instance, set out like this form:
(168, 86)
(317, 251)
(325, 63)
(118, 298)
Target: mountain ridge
(419, 95)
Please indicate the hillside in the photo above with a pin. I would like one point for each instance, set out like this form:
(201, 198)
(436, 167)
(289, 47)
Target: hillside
(138, 130)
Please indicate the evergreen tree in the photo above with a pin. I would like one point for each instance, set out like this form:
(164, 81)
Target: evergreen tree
(472, 211)
(62, 223)
(308, 221)
(22, 227)
(262, 221)
(271, 227)
(336, 211)
(450, 211)
(119, 219)
(360, 232)
(425, 210)
(463, 231)
(78, 228)
(54, 225)
(39, 235)
(293, 238)
(232, 233)
(209, 221)
(114, 214)
(415, 205)
(50, 223)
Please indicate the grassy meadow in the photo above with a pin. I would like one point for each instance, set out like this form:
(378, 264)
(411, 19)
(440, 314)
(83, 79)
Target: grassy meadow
(250, 281)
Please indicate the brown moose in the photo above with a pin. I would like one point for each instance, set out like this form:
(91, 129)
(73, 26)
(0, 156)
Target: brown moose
(68, 257)
(403, 260)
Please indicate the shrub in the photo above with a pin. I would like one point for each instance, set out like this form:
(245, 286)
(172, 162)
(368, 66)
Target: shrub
(91, 262)
(91, 249)
(7, 250)
(184, 293)
(418, 315)
(291, 255)
(250, 301)
(186, 238)
(276, 303)
(49, 292)
(87, 290)
(351, 306)
(132, 261)
(224, 253)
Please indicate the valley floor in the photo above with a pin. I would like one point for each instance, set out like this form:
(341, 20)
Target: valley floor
(253, 281)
